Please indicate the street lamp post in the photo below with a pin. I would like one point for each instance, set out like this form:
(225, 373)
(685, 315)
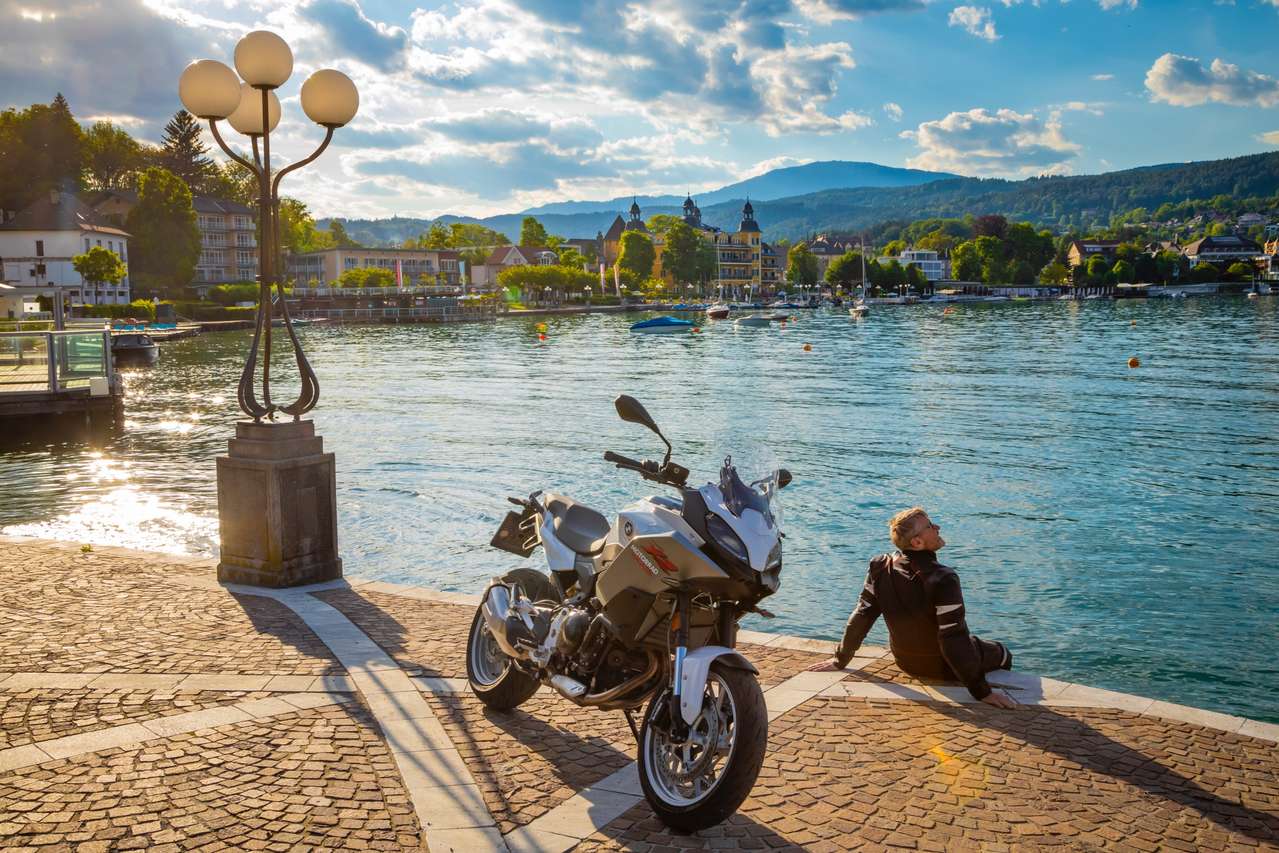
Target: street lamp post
(276, 487)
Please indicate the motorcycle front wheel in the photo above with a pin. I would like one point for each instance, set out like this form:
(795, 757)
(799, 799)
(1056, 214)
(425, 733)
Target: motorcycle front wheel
(700, 781)
(493, 677)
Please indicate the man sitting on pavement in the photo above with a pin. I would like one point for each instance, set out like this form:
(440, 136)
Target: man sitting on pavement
(921, 602)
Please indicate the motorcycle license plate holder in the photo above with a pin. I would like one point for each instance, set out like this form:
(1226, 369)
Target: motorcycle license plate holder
(512, 536)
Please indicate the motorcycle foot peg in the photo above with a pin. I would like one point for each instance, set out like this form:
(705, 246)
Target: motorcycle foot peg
(569, 688)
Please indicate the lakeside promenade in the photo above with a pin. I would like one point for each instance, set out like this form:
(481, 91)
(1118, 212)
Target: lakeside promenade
(145, 706)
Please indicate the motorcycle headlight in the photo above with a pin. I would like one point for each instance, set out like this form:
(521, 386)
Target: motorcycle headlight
(774, 557)
(725, 537)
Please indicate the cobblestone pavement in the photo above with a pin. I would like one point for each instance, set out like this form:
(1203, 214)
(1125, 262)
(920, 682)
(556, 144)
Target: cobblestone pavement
(94, 764)
(43, 714)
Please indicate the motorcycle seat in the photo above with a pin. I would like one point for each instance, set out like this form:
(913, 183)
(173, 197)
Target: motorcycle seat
(577, 525)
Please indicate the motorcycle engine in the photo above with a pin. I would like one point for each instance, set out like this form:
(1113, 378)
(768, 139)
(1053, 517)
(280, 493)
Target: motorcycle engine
(567, 630)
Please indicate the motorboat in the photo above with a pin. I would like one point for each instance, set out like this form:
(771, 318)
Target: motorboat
(133, 348)
(662, 326)
(858, 309)
(719, 311)
(754, 321)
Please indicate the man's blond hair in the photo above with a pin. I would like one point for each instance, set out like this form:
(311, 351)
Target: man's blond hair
(902, 526)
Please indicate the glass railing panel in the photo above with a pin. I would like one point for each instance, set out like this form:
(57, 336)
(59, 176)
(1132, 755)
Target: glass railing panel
(81, 357)
(24, 363)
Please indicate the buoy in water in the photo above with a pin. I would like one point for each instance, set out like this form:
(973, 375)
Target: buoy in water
(808, 347)
(696, 330)
(541, 337)
(1134, 362)
(947, 309)
(541, 327)
(1133, 323)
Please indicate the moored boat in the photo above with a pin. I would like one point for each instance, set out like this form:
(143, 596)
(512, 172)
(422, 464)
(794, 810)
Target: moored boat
(753, 321)
(134, 349)
(662, 326)
(718, 311)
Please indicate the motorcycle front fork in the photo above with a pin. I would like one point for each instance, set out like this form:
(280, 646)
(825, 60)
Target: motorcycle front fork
(679, 728)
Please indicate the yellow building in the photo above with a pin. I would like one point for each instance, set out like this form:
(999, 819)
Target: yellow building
(745, 261)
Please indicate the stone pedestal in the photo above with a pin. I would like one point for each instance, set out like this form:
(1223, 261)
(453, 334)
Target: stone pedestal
(277, 506)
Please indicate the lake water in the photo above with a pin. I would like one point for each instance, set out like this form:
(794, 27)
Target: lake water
(1114, 526)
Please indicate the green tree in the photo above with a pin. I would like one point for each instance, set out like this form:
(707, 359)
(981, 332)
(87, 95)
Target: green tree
(99, 266)
(1098, 270)
(1239, 271)
(166, 241)
(338, 237)
(680, 252)
(184, 153)
(801, 265)
(1124, 271)
(707, 268)
(532, 233)
(1205, 272)
(915, 278)
(367, 277)
(1055, 273)
(111, 156)
(233, 182)
(637, 254)
(845, 271)
(569, 256)
(965, 263)
(991, 252)
(41, 148)
(297, 228)
(436, 237)
(894, 248)
(660, 223)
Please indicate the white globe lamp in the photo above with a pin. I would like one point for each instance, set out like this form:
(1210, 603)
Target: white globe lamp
(247, 118)
(209, 90)
(263, 59)
(329, 98)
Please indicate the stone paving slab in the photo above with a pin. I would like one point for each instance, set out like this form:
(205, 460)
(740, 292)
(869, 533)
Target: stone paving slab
(34, 714)
(425, 637)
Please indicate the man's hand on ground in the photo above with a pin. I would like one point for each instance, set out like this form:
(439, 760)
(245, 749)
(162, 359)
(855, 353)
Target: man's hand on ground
(1000, 699)
(825, 666)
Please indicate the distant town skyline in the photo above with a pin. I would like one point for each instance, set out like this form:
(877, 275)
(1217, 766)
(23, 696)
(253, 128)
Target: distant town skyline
(492, 106)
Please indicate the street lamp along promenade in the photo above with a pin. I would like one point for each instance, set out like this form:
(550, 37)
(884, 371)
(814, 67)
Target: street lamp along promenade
(277, 504)
(212, 91)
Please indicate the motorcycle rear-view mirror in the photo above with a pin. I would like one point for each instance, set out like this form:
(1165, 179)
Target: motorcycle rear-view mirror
(632, 410)
(783, 478)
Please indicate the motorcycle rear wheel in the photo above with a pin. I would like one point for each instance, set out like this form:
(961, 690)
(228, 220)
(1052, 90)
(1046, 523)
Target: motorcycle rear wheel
(494, 679)
(734, 724)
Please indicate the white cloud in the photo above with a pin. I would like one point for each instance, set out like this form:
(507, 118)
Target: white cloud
(1116, 4)
(1183, 81)
(894, 111)
(1271, 138)
(975, 20)
(1111, 76)
(982, 142)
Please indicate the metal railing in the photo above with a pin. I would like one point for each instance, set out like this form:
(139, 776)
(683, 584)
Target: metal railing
(44, 362)
(443, 290)
(443, 313)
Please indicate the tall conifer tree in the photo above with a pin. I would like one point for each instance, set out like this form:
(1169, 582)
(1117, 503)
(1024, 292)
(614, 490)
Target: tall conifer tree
(185, 154)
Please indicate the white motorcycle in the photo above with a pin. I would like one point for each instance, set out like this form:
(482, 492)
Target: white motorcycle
(644, 610)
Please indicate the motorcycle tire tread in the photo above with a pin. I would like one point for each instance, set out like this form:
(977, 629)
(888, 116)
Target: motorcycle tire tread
(739, 779)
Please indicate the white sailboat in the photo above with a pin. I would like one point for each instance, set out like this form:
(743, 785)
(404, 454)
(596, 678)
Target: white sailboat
(859, 308)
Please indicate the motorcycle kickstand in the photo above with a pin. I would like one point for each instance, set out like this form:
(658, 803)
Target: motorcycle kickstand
(631, 721)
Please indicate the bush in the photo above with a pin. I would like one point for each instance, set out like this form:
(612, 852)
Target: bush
(138, 309)
(212, 311)
(229, 294)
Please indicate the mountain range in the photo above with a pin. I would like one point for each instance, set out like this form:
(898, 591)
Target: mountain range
(792, 202)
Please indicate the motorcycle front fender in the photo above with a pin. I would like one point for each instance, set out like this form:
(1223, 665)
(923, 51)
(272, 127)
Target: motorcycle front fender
(697, 667)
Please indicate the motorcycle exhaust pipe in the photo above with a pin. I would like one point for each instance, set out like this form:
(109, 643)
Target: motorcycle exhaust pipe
(497, 609)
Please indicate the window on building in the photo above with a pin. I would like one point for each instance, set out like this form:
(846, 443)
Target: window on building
(86, 244)
(40, 248)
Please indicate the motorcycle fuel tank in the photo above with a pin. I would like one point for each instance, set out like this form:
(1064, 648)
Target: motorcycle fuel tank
(657, 562)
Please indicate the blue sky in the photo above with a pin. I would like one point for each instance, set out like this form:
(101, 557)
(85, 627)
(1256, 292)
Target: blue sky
(486, 106)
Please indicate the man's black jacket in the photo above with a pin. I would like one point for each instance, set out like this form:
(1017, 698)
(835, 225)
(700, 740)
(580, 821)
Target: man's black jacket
(921, 602)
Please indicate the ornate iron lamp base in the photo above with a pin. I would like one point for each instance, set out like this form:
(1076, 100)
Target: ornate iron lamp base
(277, 506)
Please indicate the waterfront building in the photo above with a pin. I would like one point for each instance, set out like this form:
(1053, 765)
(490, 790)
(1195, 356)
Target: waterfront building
(484, 276)
(1083, 251)
(38, 243)
(228, 236)
(745, 261)
(826, 250)
(933, 266)
(1222, 251)
(323, 268)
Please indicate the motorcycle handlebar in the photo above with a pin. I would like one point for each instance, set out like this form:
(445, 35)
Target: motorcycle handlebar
(669, 474)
